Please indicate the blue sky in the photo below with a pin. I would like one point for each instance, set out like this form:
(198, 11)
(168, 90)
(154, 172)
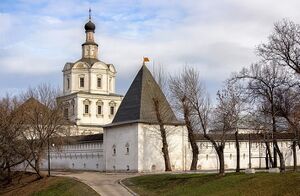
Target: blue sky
(217, 37)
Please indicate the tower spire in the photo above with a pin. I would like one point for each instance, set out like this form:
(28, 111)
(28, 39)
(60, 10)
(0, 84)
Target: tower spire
(90, 14)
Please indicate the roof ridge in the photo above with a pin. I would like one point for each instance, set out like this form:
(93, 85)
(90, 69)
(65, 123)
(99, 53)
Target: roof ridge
(142, 89)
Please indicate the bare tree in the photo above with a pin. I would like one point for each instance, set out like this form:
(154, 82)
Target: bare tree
(180, 89)
(162, 112)
(198, 100)
(283, 49)
(288, 105)
(12, 151)
(283, 46)
(43, 119)
(263, 81)
(228, 114)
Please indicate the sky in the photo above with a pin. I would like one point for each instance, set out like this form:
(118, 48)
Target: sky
(37, 37)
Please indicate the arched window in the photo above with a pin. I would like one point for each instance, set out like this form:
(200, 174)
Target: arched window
(112, 105)
(99, 81)
(86, 104)
(99, 105)
(81, 81)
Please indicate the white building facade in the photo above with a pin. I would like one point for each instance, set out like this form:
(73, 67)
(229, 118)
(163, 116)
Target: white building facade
(89, 96)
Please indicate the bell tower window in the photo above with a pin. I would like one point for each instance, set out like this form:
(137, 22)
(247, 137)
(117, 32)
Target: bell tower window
(99, 82)
(112, 110)
(81, 82)
(68, 83)
(109, 84)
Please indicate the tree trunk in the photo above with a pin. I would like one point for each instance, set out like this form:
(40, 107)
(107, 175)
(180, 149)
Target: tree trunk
(165, 149)
(267, 160)
(237, 144)
(8, 176)
(195, 149)
(294, 146)
(281, 158)
(194, 159)
(37, 167)
(269, 153)
(163, 134)
(274, 156)
(220, 153)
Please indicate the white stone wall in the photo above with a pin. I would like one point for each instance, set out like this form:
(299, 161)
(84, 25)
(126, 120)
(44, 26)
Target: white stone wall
(150, 148)
(145, 152)
(208, 159)
(121, 137)
(80, 156)
(145, 147)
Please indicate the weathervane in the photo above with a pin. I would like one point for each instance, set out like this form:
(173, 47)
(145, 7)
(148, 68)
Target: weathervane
(145, 59)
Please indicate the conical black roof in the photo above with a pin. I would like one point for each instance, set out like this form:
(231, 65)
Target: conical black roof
(138, 104)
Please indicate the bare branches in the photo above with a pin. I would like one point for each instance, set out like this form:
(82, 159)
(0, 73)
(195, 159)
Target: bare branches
(283, 46)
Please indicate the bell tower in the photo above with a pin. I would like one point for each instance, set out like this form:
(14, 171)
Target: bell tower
(90, 47)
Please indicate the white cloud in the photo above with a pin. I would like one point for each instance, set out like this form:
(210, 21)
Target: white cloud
(217, 37)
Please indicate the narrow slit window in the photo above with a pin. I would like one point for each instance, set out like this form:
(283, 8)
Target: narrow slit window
(99, 110)
(68, 83)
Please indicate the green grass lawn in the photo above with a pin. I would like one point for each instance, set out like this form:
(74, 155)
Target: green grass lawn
(64, 187)
(211, 184)
(54, 186)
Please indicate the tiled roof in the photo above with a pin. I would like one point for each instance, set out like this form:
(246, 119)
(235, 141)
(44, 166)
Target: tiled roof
(138, 104)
